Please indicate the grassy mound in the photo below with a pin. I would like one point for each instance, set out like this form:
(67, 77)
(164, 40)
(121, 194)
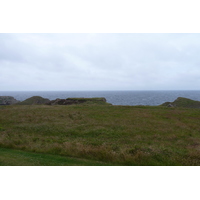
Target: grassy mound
(34, 100)
(183, 102)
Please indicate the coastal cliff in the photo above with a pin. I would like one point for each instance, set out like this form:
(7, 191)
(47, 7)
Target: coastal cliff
(182, 102)
(71, 101)
(7, 100)
(38, 100)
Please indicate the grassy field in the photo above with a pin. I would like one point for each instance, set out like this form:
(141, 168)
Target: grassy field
(99, 135)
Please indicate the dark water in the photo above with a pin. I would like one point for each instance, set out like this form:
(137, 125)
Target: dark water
(114, 97)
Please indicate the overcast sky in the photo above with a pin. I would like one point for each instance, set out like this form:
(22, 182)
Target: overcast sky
(99, 61)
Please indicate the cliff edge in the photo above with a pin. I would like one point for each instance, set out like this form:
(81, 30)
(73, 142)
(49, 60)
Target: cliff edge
(7, 100)
(182, 102)
(74, 101)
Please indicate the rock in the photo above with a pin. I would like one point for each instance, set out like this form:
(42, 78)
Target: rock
(8, 100)
(183, 102)
(35, 100)
(170, 105)
(72, 101)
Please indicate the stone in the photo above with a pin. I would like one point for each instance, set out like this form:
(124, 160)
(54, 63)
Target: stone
(72, 101)
(8, 100)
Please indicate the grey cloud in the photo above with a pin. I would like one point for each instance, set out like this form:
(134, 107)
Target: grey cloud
(99, 61)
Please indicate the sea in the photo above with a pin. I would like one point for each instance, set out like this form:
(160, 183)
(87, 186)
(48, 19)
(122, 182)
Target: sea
(131, 98)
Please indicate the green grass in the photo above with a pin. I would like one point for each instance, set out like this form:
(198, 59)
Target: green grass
(115, 135)
(11, 157)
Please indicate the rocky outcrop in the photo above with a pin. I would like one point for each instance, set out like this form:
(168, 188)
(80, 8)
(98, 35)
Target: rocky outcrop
(35, 100)
(183, 102)
(7, 100)
(71, 101)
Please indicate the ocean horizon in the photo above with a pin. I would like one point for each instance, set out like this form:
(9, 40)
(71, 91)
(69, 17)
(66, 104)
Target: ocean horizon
(131, 97)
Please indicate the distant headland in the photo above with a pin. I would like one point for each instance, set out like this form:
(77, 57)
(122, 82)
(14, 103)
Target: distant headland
(38, 100)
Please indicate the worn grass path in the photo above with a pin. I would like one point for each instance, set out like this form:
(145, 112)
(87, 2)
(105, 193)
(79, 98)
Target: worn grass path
(12, 157)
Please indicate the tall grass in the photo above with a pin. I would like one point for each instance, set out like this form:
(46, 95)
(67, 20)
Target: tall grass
(124, 135)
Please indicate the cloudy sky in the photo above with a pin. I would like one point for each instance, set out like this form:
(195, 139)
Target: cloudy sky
(106, 61)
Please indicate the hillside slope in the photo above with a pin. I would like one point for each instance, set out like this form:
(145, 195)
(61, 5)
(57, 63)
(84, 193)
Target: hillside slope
(34, 100)
(183, 102)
